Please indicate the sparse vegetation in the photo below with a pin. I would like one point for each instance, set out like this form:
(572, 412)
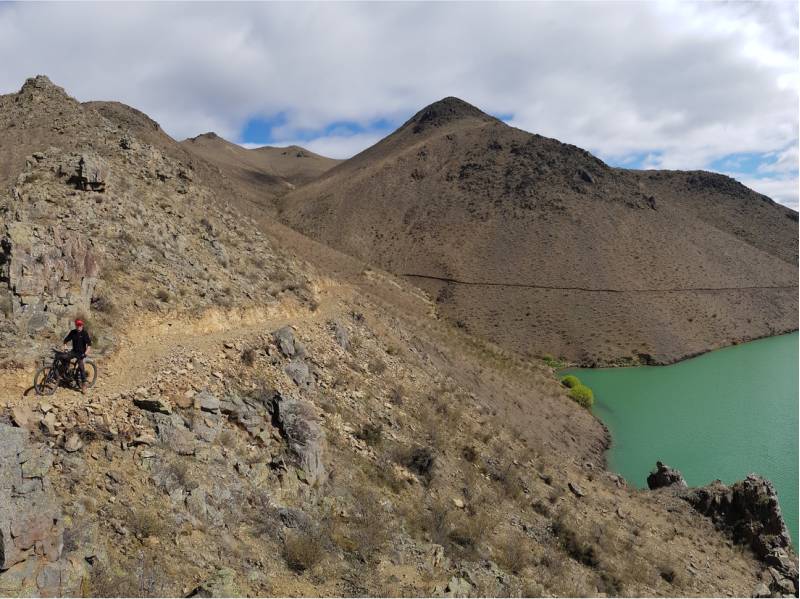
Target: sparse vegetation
(553, 362)
(372, 434)
(302, 550)
(376, 366)
(249, 356)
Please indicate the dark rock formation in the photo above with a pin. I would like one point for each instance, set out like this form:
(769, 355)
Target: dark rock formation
(750, 512)
(298, 424)
(664, 476)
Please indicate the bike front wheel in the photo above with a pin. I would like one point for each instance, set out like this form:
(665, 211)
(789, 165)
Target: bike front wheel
(45, 381)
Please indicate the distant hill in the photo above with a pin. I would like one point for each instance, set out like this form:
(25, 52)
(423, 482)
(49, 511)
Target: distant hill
(543, 248)
(278, 169)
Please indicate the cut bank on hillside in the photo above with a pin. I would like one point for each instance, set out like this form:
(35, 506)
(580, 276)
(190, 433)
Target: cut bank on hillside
(544, 249)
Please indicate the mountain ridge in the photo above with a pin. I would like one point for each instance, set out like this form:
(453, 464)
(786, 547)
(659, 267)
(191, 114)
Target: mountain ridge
(473, 199)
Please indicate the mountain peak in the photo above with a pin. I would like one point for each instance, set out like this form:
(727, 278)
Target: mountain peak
(445, 111)
(41, 85)
(206, 135)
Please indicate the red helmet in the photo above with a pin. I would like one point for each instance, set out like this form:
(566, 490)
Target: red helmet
(78, 323)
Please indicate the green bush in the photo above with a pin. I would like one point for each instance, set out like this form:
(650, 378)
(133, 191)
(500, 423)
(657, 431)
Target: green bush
(583, 395)
(570, 381)
(553, 362)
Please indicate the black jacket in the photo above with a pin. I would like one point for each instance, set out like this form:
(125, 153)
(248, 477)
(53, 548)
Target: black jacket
(80, 341)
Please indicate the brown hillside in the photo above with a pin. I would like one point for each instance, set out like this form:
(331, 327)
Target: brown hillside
(266, 169)
(543, 248)
(271, 417)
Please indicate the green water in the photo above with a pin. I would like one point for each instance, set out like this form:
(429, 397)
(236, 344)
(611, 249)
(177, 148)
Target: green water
(721, 415)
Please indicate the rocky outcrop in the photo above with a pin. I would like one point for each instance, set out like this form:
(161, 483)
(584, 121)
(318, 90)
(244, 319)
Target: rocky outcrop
(87, 171)
(31, 526)
(287, 344)
(298, 424)
(664, 476)
(50, 273)
(749, 511)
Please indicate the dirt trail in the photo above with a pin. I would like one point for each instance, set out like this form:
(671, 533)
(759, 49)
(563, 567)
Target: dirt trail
(146, 344)
(597, 289)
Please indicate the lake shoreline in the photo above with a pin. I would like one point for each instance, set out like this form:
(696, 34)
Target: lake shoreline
(628, 405)
(649, 360)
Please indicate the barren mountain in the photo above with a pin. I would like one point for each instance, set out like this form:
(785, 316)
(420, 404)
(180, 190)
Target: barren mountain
(266, 170)
(275, 418)
(543, 248)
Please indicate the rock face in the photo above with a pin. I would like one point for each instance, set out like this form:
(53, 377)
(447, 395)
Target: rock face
(31, 528)
(50, 273)
(664, 476)
(750, 511)
(87, 171)
(298, 424)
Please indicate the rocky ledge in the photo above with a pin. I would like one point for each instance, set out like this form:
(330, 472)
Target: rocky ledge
(749, 512)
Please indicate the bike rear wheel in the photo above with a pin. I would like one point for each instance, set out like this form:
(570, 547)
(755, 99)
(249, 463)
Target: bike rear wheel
(45, 381)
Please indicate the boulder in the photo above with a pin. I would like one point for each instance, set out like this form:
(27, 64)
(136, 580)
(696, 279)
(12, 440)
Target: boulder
(205, 400)
(576, 490)
(300, 373)
(172, 432)
(73, 443)
(284, 339)
(664, 476)
(23, 417)
(341, 335)
(298, 424)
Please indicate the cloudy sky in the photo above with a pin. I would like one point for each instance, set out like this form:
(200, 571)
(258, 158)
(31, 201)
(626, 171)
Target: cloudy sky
(646, 85)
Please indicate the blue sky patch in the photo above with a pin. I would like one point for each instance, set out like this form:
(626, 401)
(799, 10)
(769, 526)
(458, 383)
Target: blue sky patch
(745, 162)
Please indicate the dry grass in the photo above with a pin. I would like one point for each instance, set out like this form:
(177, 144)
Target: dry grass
(302, 550)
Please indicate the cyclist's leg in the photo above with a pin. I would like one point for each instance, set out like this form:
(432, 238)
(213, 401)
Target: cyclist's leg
(81, 370)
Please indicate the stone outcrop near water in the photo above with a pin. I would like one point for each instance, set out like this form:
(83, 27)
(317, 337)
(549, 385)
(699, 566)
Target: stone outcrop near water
(664, 476)
(749, 512)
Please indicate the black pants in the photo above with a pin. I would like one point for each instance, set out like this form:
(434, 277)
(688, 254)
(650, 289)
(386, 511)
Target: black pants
(78, 357)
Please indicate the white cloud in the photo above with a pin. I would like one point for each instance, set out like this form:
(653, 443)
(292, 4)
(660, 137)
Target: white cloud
(780, 190)
(684, 82)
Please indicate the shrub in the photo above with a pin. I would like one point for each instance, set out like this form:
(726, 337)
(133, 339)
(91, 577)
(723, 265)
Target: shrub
(575, 545)
(420, 461)
(583, 395)
(249, 356)
(302, 550)
(376, 366)
(570, 381)
(372, 434)
(552, 361)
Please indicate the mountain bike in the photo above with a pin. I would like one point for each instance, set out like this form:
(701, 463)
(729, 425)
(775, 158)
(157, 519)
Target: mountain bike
(62, 371)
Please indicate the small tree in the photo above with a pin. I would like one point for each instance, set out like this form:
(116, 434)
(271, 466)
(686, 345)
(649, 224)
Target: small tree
(583, 395)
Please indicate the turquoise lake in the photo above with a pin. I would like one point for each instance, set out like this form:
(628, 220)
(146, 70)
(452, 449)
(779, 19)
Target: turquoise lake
(721, 415)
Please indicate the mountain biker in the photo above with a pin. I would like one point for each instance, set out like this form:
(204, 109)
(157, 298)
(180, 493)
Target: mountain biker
(81, 346)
